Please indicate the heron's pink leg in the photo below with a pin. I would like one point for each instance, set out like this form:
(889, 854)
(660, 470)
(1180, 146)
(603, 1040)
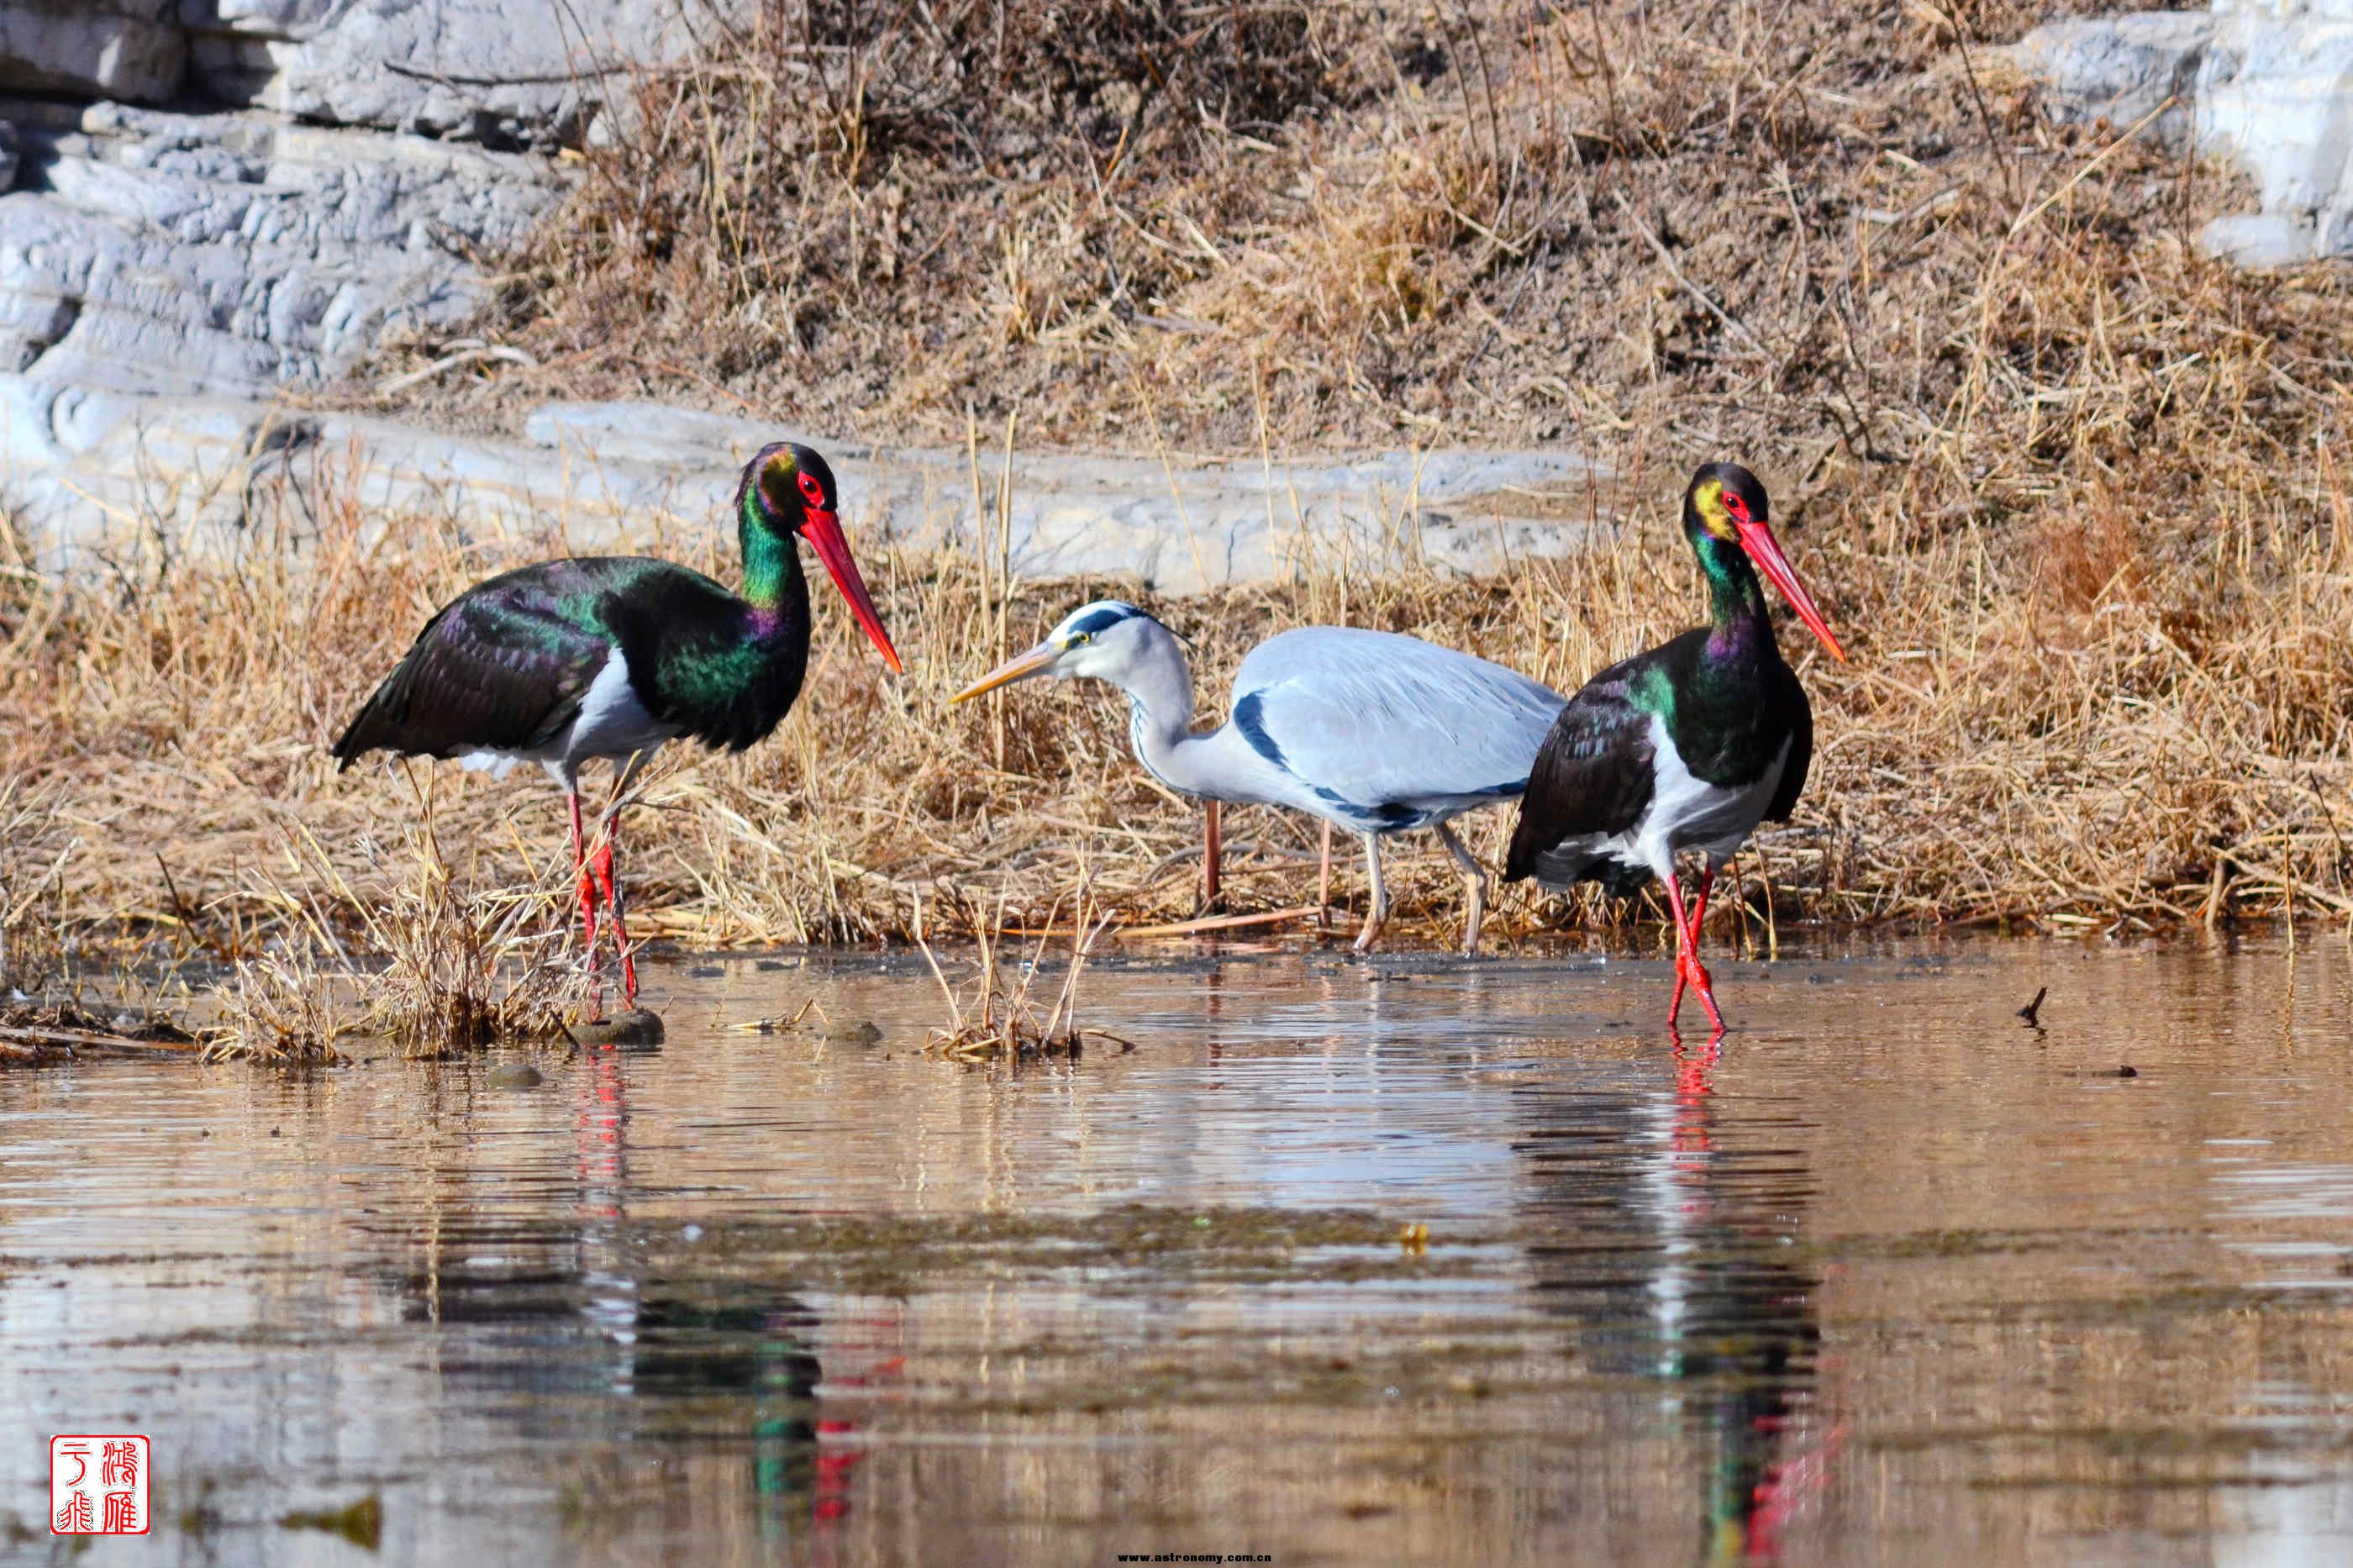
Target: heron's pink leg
(613, 903)
(1211, 852)
(1323, 882)
(586, 887)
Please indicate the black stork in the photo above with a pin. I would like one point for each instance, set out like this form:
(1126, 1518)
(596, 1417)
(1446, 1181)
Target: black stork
(611, 656)
(1688, 746)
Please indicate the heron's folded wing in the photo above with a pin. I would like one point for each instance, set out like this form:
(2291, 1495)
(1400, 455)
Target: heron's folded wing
(1381, 718)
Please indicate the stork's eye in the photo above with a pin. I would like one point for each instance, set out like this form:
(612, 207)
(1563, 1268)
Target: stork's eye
(811, 492)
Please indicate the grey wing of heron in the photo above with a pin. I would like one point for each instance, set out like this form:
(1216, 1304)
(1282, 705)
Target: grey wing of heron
(1390, 724)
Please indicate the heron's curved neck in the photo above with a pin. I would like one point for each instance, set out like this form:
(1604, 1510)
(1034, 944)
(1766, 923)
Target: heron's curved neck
(1159, 688)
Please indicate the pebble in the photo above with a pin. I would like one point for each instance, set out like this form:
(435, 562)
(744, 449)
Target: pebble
(514, 1074)
(638, 1030)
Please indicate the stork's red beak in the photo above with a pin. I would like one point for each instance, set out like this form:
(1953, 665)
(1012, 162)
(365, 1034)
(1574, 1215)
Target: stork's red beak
(1766, 551)
(823, 530)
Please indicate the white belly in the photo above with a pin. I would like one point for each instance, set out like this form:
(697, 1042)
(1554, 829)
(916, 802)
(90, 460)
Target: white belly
(1688, 813)
(611, 722)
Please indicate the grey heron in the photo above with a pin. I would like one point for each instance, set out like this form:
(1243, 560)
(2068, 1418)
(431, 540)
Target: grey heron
(1374, 733)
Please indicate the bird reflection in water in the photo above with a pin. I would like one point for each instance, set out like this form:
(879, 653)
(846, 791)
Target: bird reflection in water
(649, 1333)
(1668, 1246)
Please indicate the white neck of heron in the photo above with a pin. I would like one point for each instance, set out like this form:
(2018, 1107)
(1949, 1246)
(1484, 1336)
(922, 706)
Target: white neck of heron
(1159, 689)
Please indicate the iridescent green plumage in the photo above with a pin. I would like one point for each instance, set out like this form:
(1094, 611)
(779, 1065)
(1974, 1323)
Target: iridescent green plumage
(505, 667)
(1687, 746)
(614, 656)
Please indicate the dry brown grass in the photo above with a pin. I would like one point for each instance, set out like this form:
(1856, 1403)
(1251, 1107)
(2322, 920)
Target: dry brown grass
(467, 961)
(288, 1007)
(1837, 232)
(34, 848)
(38, 1034)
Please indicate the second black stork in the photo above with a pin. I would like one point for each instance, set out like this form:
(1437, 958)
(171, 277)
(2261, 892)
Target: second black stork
(613, 655)
(1686, 747)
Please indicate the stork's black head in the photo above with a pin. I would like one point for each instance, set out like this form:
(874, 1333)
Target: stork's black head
(786, 489)
(784, 482)
(1720, 498)
(1724, 509)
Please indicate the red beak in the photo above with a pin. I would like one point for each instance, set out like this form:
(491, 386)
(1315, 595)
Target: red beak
(1766, 551)
(823, 530)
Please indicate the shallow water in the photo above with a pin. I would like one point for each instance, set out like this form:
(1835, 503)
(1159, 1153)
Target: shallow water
(1893, 1279)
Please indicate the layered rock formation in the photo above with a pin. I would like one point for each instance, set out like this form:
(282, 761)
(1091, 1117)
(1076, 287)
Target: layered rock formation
(164, 252)
(223, 196)
(2268, 83)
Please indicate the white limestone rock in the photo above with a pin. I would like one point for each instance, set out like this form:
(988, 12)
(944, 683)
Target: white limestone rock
(221, 253)
(119, 48)
(2277, 93)
(2266, 83)
(507, 73)
(2120, 69)
(78, 467)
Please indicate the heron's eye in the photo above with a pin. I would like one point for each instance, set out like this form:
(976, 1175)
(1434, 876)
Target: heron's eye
(1079, 637)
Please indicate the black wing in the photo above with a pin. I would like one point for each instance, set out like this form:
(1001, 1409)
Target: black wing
(502, 667)
(1593, 777)
(1801, 750)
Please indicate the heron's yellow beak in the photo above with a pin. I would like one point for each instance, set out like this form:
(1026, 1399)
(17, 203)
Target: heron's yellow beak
(1035, 662)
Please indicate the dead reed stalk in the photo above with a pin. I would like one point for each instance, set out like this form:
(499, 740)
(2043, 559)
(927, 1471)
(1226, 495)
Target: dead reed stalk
(287, 1008)
(999, 1021)
(468, 964)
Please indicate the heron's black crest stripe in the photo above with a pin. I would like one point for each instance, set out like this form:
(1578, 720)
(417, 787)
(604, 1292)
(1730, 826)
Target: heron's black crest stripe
(1250, 718)
(1102, 620)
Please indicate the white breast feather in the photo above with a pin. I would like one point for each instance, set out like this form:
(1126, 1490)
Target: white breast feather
(611, 722)
(1688, 813)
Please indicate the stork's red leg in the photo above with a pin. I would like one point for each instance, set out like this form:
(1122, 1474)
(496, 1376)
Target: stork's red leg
(1687, 964)
(586, 889)
(1682, 940)
(1699, 902)
(1700, 975)
(613, 905)
(586, 884)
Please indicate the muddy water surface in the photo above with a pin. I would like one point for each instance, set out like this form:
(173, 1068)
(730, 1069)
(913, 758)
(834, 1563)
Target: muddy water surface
(1893, 1278)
